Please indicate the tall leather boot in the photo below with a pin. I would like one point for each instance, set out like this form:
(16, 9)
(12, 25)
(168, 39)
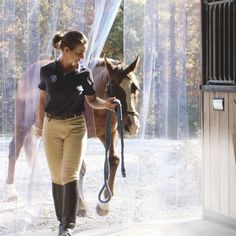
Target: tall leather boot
(57, 193)
(70, 207)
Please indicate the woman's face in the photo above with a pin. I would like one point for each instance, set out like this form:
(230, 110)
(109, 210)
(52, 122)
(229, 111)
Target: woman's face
(76, 54)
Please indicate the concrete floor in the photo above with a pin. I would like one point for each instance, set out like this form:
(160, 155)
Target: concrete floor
(190, 228)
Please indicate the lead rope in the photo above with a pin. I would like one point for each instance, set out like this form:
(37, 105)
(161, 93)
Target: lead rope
(121, 133)
(107, 146)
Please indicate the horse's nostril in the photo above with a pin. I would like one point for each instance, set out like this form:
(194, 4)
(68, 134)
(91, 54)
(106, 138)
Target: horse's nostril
(126, 128)
(137, 123)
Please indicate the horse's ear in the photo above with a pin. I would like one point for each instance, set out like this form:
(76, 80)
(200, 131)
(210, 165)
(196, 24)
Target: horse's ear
(133, 66)
(110, 67)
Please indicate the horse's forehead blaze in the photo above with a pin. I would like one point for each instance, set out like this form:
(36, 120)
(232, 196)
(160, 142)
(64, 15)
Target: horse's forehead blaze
(126, 86)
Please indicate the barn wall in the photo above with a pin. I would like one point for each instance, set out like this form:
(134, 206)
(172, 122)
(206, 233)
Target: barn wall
(219, 154)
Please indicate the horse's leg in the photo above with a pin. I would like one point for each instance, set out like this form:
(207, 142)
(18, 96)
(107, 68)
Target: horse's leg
(82, 211)
(114, 160)
(31, 144)
(17, 140)
(14, 151)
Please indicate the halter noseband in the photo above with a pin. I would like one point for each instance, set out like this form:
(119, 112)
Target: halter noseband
(133, 113)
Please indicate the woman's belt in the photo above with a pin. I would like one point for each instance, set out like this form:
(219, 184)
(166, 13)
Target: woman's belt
(62, 117)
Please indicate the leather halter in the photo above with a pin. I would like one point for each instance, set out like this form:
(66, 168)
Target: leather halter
(107, 90)
(133, 113)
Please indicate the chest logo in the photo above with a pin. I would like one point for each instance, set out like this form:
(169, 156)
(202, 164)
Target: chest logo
(53, 78)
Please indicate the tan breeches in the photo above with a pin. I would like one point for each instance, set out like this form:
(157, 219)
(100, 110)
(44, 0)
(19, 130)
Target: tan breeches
(64, 142)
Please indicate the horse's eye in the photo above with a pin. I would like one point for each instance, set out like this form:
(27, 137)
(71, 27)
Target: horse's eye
(133, 88)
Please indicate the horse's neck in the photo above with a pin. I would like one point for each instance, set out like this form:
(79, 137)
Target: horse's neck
(100, 77)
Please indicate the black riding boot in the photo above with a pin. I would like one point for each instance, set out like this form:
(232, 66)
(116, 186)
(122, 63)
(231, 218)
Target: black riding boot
(57, 193)
(70, 207)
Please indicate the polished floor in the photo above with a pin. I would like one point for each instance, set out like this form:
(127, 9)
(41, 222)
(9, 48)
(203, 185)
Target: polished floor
(191, 228)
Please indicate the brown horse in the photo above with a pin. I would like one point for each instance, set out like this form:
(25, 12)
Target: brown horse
(111, 78)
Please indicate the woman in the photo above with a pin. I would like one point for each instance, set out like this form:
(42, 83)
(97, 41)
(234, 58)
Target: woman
(63, 87)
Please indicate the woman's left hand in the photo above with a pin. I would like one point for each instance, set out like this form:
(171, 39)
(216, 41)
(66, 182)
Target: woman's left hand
(98, 103)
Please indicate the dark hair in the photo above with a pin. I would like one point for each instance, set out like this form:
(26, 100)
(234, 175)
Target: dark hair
(70, 39)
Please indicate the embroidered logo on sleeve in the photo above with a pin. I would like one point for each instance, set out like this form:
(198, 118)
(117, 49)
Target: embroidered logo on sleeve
(53, 78)
(80, 89)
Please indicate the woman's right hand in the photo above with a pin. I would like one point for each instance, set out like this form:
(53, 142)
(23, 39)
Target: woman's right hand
(36, 131)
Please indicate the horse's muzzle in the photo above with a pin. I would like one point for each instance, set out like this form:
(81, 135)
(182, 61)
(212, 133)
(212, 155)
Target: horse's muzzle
(131, 126)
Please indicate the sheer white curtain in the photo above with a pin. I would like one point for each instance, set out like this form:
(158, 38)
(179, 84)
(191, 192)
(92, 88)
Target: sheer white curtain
(104, 16)
(159, 32)
(26, 32)
(167, 36)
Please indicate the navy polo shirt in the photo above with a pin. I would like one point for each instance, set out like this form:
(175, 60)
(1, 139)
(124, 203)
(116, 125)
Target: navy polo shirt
(65, 93)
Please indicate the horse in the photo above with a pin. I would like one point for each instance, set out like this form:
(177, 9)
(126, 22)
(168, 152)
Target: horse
(111, 78)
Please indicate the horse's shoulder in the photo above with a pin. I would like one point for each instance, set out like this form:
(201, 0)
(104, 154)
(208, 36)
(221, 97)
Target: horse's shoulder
(50, 65)
(38, 64)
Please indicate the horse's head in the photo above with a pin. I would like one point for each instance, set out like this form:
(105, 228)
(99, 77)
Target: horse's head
(124, 86)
